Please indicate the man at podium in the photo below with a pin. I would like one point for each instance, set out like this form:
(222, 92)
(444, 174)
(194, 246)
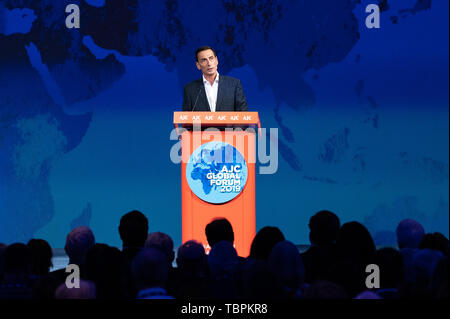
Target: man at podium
(213, 92)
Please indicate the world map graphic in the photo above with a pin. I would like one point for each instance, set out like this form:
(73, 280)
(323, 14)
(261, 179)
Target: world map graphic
(209, 160)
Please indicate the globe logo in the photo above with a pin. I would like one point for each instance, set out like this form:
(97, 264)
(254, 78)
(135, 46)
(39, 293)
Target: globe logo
(216, 172)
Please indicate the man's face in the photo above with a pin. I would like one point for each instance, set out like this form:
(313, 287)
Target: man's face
(207, 62)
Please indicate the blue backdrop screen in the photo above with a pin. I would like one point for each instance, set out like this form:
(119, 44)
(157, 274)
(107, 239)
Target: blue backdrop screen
(86, 113)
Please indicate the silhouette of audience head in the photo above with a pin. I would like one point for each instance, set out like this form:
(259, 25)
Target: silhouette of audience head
(409, 234)
(355, 242)
(435, 241)
(149, 269)
(78, 242)
(324, 227)
(324, 289)
(266, 238)
(217, 230)
(106, 267)
(86, 290)
(191, 259)
(163, 242)
(17, 260)
(133, 229)
(390, 262)
(41, 256)
(286, 264)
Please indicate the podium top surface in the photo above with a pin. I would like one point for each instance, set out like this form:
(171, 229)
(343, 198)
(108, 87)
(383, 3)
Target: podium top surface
(216, 118)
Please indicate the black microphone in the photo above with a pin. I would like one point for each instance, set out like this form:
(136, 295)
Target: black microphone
(196, 99)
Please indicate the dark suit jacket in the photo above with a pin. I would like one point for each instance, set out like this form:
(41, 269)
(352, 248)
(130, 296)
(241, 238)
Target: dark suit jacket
(230, 96)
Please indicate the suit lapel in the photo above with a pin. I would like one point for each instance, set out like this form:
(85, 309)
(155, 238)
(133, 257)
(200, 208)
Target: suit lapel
(220, 94)
(202, 99)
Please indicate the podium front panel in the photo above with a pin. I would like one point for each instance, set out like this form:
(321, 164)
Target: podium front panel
(239, 211)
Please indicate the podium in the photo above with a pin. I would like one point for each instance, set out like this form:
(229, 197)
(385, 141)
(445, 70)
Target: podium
(218, 173)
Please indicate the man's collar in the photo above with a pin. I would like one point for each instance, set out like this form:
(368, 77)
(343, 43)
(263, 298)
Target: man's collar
(215, 80)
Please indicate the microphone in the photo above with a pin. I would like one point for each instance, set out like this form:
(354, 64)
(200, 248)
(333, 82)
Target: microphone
(196, 99)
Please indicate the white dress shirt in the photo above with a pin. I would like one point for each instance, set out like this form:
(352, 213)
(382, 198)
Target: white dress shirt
(211, 92)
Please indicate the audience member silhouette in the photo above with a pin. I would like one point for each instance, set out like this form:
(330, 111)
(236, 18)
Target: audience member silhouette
(164, 243)
(286, 265)
(16, 283)
(86, 290)
(409, 235)
(149, 270)
(223, 263)
(355, 250)
(193, 270)
(253, 277)
(41, 261)
(424, 265)
(332, 268)
(354, 241)
(2, 263)
(78, 241)
(390, 263)
(324, 227)
(256, 281)
(435, 241)
(218, 230)
(107, 269)
(133, 230)
(266, 238)
(438, 286)
(41, 257)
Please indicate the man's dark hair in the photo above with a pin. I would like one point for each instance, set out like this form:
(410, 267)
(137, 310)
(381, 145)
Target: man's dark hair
(17, 259)
(266, 238)
(355, 243)
(219, 229)
(324, 227)
(41, 256)
(133, 229)
(435, 241)
(203, 48)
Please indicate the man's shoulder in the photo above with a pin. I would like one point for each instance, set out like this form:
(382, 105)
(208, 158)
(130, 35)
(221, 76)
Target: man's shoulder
(193, 84)
(228, 79)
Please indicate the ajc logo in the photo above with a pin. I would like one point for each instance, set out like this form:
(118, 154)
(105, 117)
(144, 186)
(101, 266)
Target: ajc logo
(216, 172)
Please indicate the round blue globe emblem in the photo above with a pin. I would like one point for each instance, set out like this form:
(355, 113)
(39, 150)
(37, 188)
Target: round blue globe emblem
(216, 172)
